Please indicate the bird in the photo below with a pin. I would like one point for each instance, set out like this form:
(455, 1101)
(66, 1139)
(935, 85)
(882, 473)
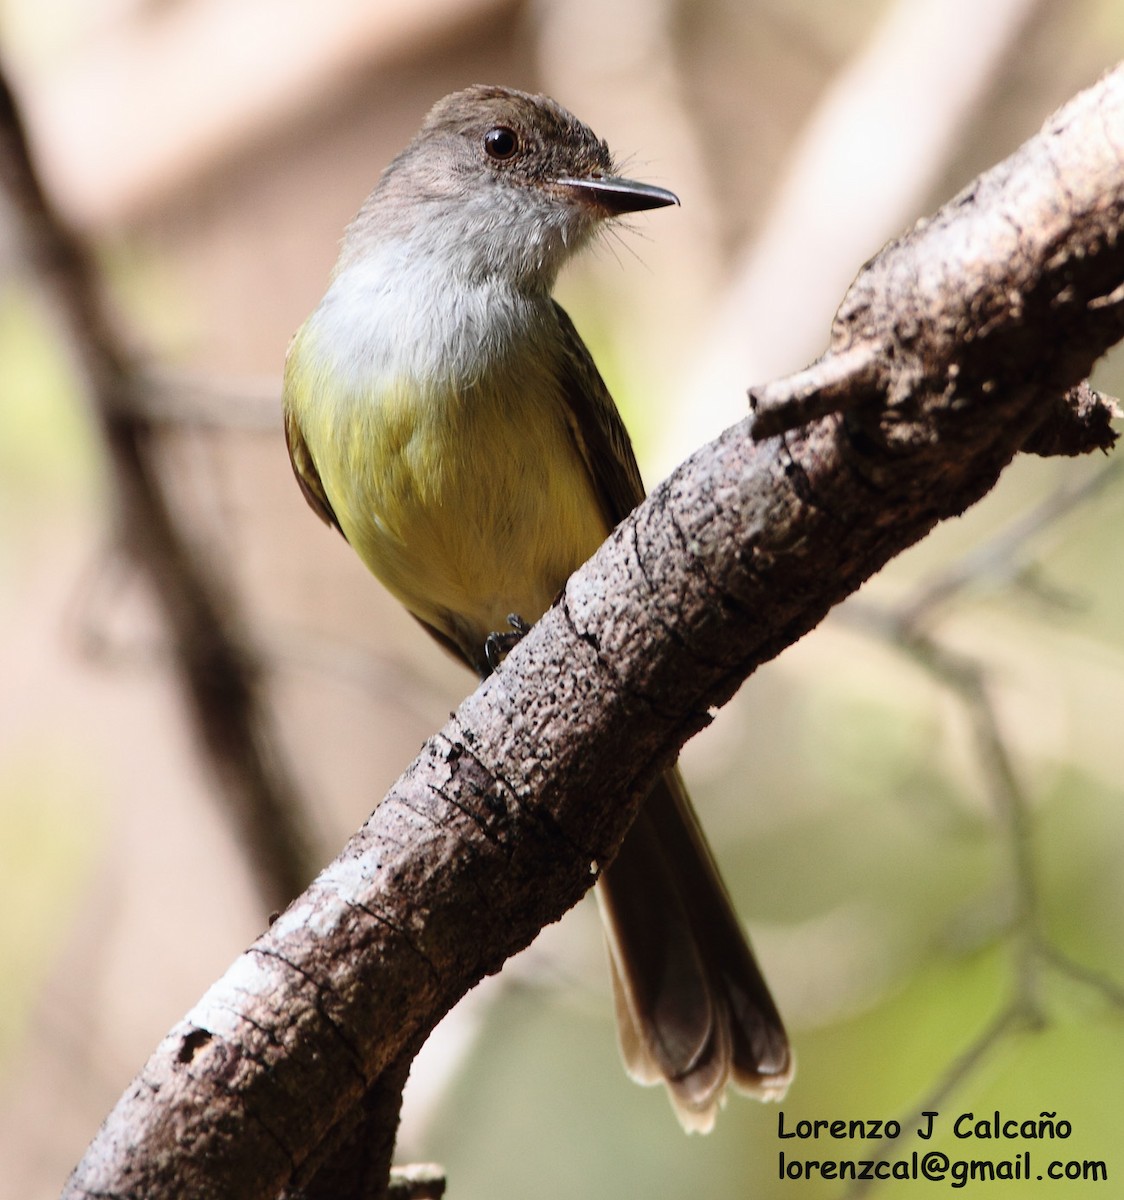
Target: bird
(442, 412)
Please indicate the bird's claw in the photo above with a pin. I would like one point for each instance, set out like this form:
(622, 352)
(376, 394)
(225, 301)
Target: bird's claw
(496, 645)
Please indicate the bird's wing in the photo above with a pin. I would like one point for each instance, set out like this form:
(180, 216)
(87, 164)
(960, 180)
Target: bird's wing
(304, 468)
(597, 428)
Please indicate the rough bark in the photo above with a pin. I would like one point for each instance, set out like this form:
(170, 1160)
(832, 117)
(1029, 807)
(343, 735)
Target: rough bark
(949, 353)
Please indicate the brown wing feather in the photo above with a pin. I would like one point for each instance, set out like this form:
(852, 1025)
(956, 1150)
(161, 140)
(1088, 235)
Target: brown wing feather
(304, 468)
(597, 427)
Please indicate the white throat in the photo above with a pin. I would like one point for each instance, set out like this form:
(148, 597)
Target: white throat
(396, 313)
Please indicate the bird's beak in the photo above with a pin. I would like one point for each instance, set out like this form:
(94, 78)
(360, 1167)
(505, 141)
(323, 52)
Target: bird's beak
(619, 195)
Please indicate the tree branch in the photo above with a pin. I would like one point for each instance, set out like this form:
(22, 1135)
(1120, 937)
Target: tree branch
(967, 331)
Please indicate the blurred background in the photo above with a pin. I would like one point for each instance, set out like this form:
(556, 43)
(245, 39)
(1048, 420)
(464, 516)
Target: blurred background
(918, 809)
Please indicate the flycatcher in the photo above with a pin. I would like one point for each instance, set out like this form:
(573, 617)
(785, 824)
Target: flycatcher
(443, 414)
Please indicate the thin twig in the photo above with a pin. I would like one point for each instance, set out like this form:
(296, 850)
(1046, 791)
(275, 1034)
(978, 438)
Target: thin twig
(218, 672)
(998, 558)
(1009, 1021)
(967, 678)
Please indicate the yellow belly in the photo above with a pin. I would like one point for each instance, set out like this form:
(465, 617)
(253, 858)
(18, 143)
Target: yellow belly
(467, 506)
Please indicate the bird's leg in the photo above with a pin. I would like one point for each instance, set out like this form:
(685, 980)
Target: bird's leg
(496, 645)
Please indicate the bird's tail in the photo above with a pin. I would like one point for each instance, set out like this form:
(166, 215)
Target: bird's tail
(693, 1009)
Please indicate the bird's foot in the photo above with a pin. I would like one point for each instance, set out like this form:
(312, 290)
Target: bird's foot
(496, 645)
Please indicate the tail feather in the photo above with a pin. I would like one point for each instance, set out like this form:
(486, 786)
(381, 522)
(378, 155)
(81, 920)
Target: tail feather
(693, 1009)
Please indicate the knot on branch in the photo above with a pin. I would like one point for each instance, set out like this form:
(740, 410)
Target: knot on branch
(986, 303)
(1078, 422)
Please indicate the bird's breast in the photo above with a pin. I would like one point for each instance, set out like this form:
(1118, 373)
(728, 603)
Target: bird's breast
(443, 441)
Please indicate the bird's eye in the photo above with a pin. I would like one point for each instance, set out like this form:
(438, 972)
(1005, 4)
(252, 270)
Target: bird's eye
(500, 143)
